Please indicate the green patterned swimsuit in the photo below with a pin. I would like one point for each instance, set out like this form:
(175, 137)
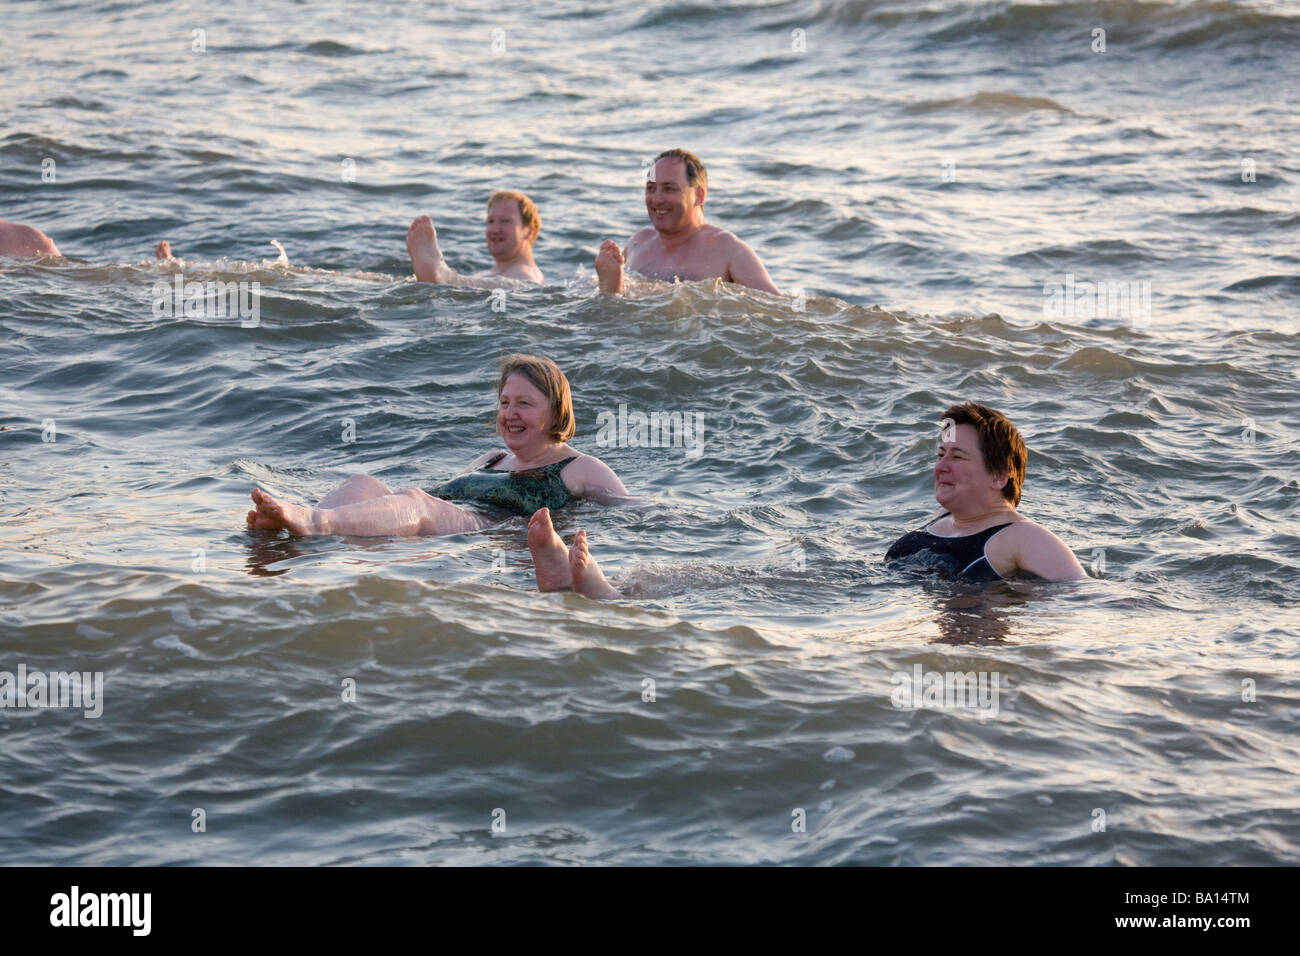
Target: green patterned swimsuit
(518, 492)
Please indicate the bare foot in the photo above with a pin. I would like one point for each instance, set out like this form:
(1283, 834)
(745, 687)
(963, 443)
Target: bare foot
(609, 267)
(550, 557)
(422, 244)
(588, 579)
(164, 251)
(272, 514)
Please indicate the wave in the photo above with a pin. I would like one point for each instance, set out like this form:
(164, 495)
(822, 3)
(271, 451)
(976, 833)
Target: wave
(991, 99)
(1137, 23)
(332, 48)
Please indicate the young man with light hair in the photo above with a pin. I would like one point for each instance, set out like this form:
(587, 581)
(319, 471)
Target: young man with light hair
(512, 227)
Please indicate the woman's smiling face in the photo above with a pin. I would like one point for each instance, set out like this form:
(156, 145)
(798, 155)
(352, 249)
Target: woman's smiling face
(960, 477)
(524, 415)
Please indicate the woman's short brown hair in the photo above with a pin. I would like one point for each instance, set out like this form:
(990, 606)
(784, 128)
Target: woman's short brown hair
(547, 378)
(1001, 446)
(528, 213)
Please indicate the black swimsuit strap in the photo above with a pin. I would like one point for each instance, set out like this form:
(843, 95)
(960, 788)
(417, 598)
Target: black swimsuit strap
(986, 533)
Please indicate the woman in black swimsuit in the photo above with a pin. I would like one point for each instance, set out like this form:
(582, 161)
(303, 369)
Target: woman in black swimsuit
(537, 470)
(977, 479)
(979, 537)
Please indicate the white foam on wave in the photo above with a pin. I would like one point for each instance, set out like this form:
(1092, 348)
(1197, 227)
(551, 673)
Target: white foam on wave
(173, 642)
(283, 260)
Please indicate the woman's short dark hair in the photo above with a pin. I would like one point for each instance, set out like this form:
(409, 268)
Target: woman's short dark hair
(1001, 446)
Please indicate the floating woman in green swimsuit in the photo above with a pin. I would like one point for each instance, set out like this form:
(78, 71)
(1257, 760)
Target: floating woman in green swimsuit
(537, 470)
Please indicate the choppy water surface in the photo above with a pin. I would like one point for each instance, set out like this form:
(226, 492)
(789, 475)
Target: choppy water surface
(920, 171)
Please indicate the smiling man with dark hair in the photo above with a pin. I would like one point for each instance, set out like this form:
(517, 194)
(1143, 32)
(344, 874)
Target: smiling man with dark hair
(679, 244)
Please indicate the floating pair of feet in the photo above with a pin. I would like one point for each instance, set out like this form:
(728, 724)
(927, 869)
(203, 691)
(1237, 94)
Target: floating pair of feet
(558, 568)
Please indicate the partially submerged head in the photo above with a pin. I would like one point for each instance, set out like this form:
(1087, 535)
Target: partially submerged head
(513, 223)
(981, 457)
(533, 394)
(19, 240)
(676, 186)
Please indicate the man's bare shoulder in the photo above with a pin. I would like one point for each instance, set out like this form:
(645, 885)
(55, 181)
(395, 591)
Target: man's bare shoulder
(641, 236)
(722, 238)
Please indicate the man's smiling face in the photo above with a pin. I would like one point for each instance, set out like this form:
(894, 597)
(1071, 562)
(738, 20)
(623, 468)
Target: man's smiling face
(669, 200)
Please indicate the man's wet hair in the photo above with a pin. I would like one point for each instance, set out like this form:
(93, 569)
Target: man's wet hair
(696, 174)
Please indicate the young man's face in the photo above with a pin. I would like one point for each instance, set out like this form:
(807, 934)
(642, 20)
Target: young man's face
(505, 230)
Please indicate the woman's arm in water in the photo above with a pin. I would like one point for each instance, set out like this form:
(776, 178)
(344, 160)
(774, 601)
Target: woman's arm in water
(1038, 551)
(589, 477)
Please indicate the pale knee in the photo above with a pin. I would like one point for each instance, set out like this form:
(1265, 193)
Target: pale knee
(427, 504)
(18, 240)
(370, 480)
(38, 242)
(426, 507)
